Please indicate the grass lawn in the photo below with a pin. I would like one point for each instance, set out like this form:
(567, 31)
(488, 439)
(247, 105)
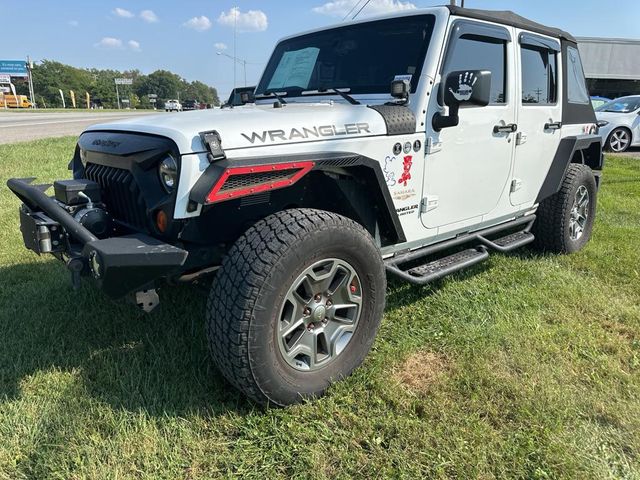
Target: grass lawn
(527, 366)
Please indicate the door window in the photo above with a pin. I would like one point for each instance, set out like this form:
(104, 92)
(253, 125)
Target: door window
(476, 52)
(539, 75)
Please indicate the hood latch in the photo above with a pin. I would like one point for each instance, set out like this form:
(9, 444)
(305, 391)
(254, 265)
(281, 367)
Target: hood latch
(213, 144)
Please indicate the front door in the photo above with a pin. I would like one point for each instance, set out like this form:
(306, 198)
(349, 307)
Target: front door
(539, 115)
(466, 178)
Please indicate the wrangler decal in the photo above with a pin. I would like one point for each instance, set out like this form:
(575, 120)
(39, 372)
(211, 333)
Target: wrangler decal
(306, 133)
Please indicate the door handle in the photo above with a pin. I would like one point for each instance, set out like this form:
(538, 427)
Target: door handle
(509, 128)
(553, 126)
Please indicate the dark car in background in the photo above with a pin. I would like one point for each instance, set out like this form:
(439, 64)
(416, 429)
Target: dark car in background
(191, 105)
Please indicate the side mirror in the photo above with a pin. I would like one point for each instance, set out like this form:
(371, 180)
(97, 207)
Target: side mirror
(462, 87)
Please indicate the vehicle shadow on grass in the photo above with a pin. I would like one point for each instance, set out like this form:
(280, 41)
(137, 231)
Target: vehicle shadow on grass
(155, 363)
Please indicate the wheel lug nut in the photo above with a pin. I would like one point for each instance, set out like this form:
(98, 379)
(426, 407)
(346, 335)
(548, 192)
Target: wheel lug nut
(325, 321)
(307, 312)
(318, 297)
(329, 303)
(310, 327)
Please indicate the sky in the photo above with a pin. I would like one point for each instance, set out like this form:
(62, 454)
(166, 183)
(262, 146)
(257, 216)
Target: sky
(184, 36)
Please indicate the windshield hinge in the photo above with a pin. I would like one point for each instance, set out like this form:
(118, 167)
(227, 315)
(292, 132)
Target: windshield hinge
(433, 146)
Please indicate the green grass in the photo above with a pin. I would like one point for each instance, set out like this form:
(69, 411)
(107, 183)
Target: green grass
(525, 367)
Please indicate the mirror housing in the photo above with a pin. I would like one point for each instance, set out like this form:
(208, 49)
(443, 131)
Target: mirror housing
(472, 87)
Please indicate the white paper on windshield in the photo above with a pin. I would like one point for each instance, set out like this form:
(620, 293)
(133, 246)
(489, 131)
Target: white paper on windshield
(295, 69)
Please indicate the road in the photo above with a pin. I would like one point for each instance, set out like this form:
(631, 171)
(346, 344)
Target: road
(24, 126)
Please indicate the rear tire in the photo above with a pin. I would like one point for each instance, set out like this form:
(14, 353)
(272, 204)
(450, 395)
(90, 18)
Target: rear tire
(296, 305)
(565, 220)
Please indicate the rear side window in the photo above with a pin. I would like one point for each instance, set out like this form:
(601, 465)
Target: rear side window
(576, 84)
(539, 75)
(475, 52)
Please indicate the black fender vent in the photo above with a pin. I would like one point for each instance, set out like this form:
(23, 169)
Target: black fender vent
(249, 180)
(400, 120)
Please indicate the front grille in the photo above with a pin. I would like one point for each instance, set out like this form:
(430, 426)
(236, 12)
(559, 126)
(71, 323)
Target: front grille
(120, 193)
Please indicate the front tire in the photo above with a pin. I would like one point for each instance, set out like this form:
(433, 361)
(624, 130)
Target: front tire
(565, 220)
(296, 305)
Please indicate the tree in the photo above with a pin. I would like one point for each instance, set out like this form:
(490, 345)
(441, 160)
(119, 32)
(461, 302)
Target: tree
(49, 77)
(203, 93)
(163, 83)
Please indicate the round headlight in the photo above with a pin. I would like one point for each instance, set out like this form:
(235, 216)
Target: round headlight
(168, 170)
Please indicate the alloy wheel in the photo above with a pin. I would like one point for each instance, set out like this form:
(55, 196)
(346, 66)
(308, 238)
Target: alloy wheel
(579, 213)
(619, 140)
(319, 314)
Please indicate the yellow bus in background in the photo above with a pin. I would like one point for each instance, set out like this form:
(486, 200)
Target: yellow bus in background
(15, 101)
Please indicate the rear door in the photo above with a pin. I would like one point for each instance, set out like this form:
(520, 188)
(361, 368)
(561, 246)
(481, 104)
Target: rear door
(539, 114)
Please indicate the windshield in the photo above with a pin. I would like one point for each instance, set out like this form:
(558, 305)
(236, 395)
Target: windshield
(621, 105)
(364, 58)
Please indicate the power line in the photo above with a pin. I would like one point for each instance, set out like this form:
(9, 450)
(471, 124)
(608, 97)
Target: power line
(363, 7)
(352, 9)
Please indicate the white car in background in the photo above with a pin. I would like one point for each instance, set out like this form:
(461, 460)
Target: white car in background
(172, 106)
(619, 122)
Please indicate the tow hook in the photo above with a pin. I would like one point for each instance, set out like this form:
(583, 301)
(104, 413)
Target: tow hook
(147, 300)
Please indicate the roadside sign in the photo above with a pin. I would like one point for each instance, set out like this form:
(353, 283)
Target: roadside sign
(124, 81)
(152, 95)
(4, 78)
(16, 68)
(5, 89)
(125, 100)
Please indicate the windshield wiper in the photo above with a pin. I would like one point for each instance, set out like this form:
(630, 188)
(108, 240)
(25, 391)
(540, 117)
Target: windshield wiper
(278, 96)
(342, 92)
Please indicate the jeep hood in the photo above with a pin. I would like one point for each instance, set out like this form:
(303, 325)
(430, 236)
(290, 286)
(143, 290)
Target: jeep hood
(257, 125)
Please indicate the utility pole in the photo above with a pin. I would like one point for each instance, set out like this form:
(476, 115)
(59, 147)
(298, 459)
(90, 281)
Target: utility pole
(32, 94)
(538, 92)
(235, 37)
(118, 95)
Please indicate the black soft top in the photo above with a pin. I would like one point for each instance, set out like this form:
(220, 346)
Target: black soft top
(507, 17)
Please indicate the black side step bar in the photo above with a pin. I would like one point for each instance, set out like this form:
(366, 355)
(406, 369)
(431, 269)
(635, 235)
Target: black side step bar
(437, 269)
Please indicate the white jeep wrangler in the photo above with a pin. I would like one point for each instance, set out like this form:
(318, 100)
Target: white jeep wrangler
(414, 144)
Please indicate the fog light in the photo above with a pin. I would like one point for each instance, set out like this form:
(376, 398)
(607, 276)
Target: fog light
(162, 221)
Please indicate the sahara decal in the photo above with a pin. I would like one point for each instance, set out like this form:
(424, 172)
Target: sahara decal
(407, 147)
(304, 133)
(397, 149)
(406, 173)
(417, 145)
(404, 194)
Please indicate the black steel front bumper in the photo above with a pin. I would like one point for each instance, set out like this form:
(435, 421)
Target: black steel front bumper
(119, 265)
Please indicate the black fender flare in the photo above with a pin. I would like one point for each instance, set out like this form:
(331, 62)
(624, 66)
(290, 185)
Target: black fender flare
(323, 161)
(590, 148)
